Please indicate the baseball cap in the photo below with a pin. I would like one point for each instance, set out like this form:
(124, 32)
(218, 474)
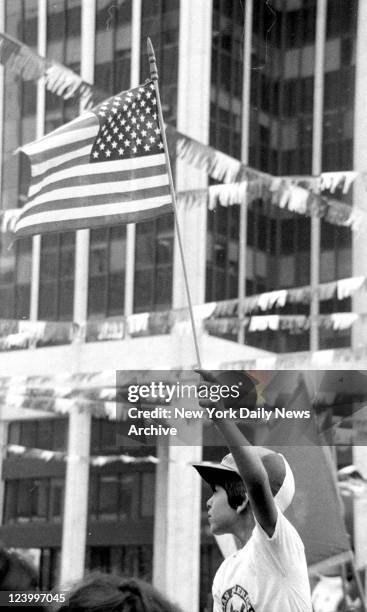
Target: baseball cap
(277, 467)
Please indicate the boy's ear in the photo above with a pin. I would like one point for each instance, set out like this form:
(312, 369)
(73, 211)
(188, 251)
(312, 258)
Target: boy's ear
(242, 506)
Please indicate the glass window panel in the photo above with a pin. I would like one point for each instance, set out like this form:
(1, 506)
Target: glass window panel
(60, 434)
(56, 498)
(143, 295)
(108, 497)
(10, 502)
(47, 302)
(144, 251)
(108, 435)
(93, 496)
(66, 298)
(14, 433)
(117, 254)
(98, 261)
(24, 267)
(327, 266)
(24, 500)
(22, 301)
(40, 499)
(45, 434)
(67, 262)
(147, 484)
(344, 263)
(164, 250)
(116, 294)
(164, 286)
(287, 272)
(127, 482)
(7, 302)
(48, 265)
(97, 295)
(28, 434)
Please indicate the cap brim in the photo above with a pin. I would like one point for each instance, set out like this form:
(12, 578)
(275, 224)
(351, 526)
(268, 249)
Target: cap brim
(215, 473)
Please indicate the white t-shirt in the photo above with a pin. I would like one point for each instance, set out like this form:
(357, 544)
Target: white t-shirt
(266, 575)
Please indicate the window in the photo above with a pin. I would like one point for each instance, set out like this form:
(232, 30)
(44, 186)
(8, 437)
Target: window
(111, 496)
(107, 271)
(48, 434)
(147, 488)
(33, 500)
(153, 264)
(57, 277)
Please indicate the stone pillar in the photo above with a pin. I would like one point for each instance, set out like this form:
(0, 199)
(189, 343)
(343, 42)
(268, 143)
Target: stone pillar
(76, 497)
(77, 469)
(40, 130)
(3, 441)
(359, 244)
(176, 559)
(193, 100)
(360, 504)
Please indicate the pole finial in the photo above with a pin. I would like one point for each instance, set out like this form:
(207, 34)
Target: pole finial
(152, 61)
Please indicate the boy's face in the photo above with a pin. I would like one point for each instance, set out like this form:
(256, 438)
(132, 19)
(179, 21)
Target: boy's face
(222, 518)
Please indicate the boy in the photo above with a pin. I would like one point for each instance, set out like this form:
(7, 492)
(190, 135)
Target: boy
(252, 487)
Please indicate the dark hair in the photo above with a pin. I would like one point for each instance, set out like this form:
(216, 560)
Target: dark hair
(16, 574)
(110, 593)
(234, 487)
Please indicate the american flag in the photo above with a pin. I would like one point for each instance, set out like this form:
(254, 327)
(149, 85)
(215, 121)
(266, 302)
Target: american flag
(107, 166)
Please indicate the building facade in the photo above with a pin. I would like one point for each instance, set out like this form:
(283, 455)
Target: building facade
(277, 85)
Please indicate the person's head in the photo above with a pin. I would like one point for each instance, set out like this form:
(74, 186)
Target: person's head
(100, 592)
(16, 574)
(228, 507)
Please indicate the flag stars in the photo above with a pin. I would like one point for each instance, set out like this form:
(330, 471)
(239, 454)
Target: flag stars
(128, 126)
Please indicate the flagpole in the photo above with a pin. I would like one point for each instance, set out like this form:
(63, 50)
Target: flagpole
(154, 77)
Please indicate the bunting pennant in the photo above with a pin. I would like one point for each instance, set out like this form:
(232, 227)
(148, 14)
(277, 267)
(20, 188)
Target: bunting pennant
(59, 79)
(96, 461)
(218, 316)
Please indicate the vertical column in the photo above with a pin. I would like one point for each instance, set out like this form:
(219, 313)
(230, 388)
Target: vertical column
(318, 106)
(131, 227)
(77, 469)
(360, 504)
(3, 441)
(2, 96)
(40, 128)
(193, 99)
(245, 142)
(176, 558)
(359, 243)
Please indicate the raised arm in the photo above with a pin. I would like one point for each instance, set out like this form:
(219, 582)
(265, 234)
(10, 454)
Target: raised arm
(248, 461)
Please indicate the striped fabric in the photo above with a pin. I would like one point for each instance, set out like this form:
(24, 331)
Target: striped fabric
(105, 167)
